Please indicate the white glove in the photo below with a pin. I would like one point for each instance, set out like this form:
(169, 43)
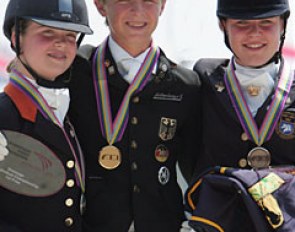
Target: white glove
(186, 228)
(3, 144)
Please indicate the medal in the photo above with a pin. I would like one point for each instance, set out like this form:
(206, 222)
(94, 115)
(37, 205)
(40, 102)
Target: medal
(113, 128)
(109, 157)
(259, 157)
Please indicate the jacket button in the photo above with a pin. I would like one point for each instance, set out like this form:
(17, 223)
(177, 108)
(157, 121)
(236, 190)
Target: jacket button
(134, 120)
(69, 202)
(135, 99)
(244, 137)
(70, 164)
(70, 183)
(134, 166)
(136, 189)
(69, 221)
(243, 163)
(133, 144)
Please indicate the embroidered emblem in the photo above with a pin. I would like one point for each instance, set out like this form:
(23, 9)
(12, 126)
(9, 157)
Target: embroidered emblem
(286, 125)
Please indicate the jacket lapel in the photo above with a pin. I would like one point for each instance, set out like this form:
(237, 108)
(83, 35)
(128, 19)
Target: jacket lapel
(218, 87)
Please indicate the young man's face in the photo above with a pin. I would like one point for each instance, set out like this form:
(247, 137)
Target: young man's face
(254, 42)
(131, 21)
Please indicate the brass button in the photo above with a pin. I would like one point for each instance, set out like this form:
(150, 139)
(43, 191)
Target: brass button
(133, 144)
(134, 120)
(70, 183)
(135, 100)
(69, 221)
(243, 163)
(244, 137)
(136, 189)
(69, 202)
(134, 166)
(70, 164)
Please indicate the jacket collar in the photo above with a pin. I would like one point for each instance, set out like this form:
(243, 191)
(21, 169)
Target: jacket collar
(24, 104)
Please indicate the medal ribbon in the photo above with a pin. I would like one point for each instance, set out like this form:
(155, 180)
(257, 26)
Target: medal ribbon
(242, 110)
(22, 84)
(113, 130)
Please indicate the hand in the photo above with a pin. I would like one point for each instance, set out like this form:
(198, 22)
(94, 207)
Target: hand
(3, 144)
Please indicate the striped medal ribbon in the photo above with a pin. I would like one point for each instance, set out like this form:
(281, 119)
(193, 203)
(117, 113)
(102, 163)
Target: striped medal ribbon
(264, 133)
(113, 130)
(18, 81)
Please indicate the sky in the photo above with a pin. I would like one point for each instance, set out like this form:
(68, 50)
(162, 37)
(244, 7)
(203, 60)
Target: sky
(187, 31)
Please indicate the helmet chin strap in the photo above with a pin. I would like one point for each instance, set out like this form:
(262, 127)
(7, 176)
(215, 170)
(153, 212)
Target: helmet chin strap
(61, 81)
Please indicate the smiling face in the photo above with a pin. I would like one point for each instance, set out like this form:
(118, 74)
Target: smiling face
(254, 42)
(131, 22)
(48, 51)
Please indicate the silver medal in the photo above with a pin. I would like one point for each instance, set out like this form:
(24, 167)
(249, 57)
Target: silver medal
(259, 157)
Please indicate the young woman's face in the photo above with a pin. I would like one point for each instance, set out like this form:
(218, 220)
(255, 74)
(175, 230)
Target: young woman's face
(48, 51)
(254, 42)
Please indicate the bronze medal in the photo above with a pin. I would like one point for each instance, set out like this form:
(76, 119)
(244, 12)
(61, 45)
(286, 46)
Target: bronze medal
(109, 157)
(259, 157)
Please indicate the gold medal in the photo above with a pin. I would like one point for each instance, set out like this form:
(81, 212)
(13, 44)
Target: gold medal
(109, 157)
(259, 157)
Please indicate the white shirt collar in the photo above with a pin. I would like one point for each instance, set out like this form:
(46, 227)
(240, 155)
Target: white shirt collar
(120, 54)
(57, 99)
(272, 69)
(260, 78)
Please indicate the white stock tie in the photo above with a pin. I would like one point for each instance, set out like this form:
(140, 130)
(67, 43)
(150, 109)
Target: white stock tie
(262, 86)
(131, 67)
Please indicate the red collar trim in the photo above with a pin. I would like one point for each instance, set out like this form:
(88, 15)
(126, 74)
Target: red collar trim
(23, 103)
